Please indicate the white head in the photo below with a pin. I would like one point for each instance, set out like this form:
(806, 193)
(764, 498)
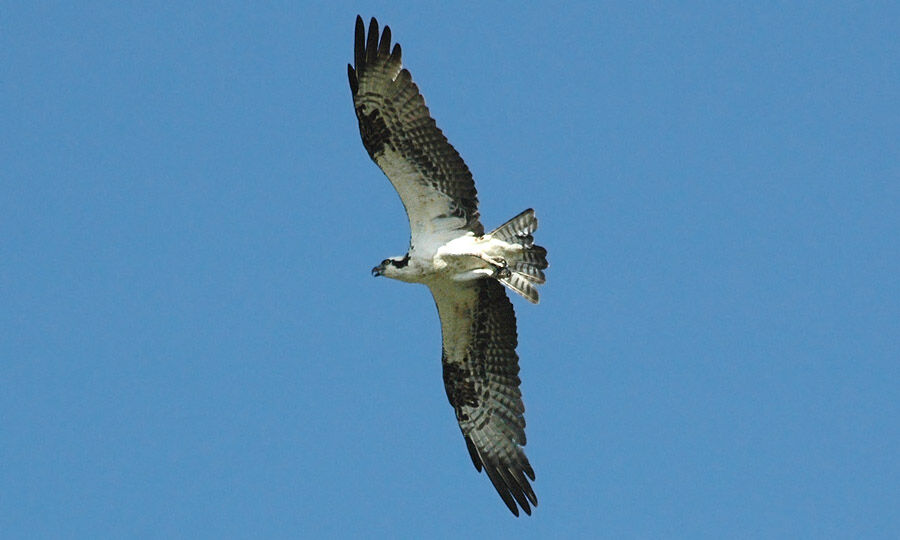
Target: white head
(395, 268)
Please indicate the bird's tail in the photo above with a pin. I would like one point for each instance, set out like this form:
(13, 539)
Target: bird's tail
(526, 261)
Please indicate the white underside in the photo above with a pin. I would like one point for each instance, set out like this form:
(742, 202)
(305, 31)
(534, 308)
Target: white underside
(463, 258)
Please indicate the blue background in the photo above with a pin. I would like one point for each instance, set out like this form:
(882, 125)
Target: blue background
(191, 343)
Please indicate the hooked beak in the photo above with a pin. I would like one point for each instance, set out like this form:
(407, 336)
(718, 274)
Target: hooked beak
(378, 270)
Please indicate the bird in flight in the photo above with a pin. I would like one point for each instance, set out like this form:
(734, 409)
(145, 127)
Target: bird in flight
(465, 269)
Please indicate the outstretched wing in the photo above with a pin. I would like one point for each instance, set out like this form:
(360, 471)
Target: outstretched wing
(481, 378)
(399, 134)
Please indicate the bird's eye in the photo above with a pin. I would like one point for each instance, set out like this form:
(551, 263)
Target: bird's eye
(386, 262)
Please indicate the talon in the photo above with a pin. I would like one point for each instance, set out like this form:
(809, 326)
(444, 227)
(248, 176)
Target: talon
(501, 271)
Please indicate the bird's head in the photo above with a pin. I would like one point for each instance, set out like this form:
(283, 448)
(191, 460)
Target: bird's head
(391, 268)
(379, 270)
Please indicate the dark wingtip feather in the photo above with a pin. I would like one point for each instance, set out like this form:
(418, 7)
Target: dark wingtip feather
(354, 82)
(359, 41)
(512, 484)
(384, 47)
(526, 467)
(372, 41)
(519, 476)
(473, 453)
(502, 490)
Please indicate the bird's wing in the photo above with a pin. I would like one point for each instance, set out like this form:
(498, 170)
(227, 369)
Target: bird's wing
(481, 369)
(399, 134)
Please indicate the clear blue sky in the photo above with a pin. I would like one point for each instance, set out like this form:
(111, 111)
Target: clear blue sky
(191, 343)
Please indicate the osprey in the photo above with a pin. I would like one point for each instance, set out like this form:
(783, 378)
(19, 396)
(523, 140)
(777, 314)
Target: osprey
(449, 252)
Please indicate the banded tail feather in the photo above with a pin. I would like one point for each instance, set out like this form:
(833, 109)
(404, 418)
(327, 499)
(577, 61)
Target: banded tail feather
(526, 264)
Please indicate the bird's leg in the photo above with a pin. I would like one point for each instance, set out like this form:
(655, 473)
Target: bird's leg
(501, 268)
(502, 272)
